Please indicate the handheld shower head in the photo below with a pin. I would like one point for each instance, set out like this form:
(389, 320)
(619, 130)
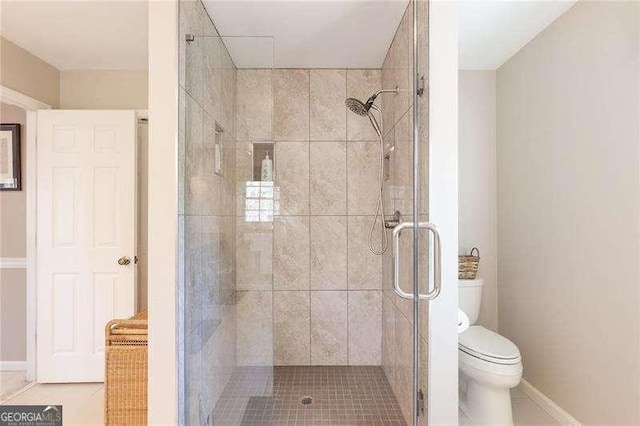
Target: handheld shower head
(362, 108)
(357, 107)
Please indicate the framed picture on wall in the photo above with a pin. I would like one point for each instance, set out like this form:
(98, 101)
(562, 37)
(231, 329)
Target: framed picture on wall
(10, 157)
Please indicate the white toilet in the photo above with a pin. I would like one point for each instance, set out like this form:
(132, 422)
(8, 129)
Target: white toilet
(489, 365)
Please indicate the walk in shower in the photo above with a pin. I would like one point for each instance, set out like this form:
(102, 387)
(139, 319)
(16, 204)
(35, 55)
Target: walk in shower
(288, 312)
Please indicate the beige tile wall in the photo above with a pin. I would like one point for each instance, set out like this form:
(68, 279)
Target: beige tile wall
(329, 332)
(326, 285)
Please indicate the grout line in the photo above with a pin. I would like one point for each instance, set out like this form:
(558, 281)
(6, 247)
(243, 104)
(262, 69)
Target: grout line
(346, 174)
(273, 248)
(309, 207)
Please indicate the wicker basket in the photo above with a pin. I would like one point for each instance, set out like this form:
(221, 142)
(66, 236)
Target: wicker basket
(125, 396)
(468, 265)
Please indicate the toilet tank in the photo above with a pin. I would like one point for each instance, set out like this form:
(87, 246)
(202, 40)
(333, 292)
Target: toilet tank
(470, 297)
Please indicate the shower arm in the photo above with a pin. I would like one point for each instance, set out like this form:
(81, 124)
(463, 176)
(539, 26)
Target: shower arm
(373, 97)
(379, 92)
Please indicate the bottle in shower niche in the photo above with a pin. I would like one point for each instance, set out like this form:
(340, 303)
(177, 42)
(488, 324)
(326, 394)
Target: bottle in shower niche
(267, 168)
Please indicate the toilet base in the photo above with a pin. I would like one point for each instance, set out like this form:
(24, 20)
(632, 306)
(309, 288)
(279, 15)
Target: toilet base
(486, 405)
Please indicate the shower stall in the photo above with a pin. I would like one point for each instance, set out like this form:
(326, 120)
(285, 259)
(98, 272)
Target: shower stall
(300, 216)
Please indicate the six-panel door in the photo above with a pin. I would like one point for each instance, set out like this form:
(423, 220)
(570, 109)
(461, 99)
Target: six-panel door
(86, 188)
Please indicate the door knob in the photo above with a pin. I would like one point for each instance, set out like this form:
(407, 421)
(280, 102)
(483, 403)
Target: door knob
(124, 261)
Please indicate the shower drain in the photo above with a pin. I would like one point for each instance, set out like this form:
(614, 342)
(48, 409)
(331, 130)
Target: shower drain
(307, 400)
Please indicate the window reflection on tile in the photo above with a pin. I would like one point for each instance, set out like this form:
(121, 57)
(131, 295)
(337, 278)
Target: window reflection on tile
(266, 216)
(253, 191)
(266, 191)
(261, 201)
(253, 204)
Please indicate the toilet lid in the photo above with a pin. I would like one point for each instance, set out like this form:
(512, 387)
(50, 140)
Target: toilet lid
(485, 344)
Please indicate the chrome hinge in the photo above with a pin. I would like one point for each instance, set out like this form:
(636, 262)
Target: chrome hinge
(421, 86)
(420, 402)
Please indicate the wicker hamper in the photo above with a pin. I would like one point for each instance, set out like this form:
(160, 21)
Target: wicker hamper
(125, 396)
(468, 265)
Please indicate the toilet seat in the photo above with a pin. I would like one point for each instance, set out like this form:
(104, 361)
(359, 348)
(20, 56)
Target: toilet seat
(488, 346)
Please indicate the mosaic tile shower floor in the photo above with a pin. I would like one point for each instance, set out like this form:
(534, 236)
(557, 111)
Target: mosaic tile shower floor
(339, 396)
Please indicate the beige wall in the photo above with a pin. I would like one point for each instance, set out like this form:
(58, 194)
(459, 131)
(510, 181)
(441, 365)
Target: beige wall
(477, 181)
(28, 74)
(13, 241)
(13, 320)
(104, 89)
(13, 224)
(568, 208)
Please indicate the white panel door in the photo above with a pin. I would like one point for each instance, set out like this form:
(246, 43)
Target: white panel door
(85, 223)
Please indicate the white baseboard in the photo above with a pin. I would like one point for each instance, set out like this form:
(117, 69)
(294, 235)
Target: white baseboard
(13, 365)
(550, 407)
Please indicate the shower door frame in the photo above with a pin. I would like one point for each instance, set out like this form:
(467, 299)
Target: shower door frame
(434, 260)
(442, 171)
(442, 89)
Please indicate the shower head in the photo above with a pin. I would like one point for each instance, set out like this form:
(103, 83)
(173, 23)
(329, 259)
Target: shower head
(362, 108)
(357, 106)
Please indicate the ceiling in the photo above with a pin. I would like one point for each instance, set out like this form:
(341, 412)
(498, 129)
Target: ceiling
(309, 33)
(492, 31)
(86, 35)
(99, 34)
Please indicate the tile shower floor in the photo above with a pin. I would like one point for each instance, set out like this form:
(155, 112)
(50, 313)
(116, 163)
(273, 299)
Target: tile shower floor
(339, 396)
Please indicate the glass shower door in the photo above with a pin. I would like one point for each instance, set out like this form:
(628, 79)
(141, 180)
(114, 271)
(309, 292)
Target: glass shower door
(247, 397)
(226, 231)
(412, 268)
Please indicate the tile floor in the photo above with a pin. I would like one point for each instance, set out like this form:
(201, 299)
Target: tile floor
(83, 403)
(339, 395)
(10, 382)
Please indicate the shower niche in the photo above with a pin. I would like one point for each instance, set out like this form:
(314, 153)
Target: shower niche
(262, 161)
(261, 196)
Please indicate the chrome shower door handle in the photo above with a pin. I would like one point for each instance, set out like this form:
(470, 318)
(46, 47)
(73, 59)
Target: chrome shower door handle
(437, 262)
(396, 260)
(437, 258)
